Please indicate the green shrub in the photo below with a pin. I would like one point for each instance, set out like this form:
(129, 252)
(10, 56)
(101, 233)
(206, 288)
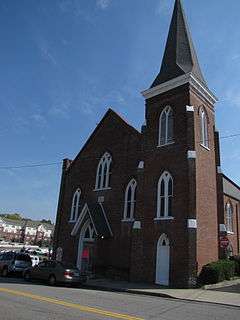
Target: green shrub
(218, 271)
(236, 260)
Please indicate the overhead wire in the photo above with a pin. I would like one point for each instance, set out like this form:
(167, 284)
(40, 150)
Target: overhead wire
(35, 165)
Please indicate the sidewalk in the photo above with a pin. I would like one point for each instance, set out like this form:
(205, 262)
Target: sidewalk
(203, 295)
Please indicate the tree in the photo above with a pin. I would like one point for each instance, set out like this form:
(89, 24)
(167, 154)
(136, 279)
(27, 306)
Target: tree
(13, 216)
(46, 221)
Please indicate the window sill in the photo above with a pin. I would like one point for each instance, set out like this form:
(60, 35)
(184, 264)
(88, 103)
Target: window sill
(72, 221)
(128, 220)
(230, 232)
(165, 145)
(103, 189)
(163, 218)
(205, 147)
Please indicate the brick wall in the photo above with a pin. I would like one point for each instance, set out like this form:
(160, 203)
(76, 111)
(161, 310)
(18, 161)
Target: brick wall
(172, 158)
(235, 236)
(206, 188)
(124, 145)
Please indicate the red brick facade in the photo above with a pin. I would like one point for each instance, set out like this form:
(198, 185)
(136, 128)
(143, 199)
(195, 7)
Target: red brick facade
(192, 231)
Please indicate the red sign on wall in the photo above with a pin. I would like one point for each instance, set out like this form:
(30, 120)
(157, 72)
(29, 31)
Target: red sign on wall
(85, 253)
(224, 242)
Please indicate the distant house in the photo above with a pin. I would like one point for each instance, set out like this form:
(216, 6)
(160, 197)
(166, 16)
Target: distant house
(26, 231)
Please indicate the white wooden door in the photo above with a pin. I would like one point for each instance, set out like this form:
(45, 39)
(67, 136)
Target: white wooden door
(163, 262)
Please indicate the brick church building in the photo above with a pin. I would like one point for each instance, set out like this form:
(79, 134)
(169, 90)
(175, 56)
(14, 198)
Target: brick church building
(152, 206)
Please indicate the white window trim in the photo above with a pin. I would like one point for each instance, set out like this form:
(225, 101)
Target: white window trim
(74, 209)
(207, 148)
(128, 220)
(166, 176)
(229, 218)
(204, 130)
(164, 218)
(166, 144)
(95, 190)
(133, 185)
(166, 111)
(106, 160)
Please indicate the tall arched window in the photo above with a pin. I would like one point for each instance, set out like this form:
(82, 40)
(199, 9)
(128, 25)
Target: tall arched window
(75, 205)
(165, 196)
(166, 134)
(130, 200)
(229, 217)
(103, 172)
(204, 128)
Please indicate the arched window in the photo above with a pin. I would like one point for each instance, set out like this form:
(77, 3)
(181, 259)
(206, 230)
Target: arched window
(130, 200)
(229, 217)
(165, 196)
(204, 128)
(75, 205)
(166, 134)
(89, 233)
(103, 172)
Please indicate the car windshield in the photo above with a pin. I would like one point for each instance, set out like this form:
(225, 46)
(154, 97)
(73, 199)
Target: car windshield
(23, 257)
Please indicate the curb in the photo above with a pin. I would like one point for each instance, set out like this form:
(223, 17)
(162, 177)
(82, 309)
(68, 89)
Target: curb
(131, 291)
(155, 294)
(223, 284)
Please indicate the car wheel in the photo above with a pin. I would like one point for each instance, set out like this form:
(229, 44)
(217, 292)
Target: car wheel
(5, 272)
(27, 276)
(52, 280)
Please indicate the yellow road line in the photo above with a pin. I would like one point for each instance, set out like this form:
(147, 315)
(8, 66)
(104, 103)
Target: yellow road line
(70, 305)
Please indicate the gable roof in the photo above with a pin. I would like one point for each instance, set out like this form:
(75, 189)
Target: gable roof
(230, 188)
(98, 218)
(180, 56)
(110, 114)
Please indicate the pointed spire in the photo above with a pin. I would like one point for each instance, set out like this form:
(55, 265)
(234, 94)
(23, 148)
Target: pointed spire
(180, 56)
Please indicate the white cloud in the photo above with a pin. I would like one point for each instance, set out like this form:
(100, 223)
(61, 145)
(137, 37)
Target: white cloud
(45, 50)
(61, 110)
(103, 4)
(236, 57)
(163, 7)
(233, 97)
(64, 5)
(46, 54)
(39, 119)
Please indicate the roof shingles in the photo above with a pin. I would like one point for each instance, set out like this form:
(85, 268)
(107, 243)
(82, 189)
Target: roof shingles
(180, 56)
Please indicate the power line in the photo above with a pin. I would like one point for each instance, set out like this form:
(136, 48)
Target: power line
(34, 165)
(231, 136)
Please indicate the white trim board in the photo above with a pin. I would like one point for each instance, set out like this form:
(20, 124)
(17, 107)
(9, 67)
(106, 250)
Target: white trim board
(174, 83)
(84, 211)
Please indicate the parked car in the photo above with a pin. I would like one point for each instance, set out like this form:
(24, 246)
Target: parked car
(55, 272)
(35, 260)
(13, 262)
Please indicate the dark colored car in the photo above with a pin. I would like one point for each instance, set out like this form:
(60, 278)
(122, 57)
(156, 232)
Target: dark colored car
(13, 262)
(55, 272)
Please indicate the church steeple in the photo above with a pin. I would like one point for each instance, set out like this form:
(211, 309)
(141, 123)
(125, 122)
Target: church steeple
(180, 56)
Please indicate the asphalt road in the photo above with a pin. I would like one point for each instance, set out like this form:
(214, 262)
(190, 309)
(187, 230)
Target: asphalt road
(31, 301)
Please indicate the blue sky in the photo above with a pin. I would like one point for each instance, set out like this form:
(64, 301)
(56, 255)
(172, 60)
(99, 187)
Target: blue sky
(64, 62)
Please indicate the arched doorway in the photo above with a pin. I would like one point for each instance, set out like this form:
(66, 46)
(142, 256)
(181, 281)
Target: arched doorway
(86, 248)
(163, 260)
